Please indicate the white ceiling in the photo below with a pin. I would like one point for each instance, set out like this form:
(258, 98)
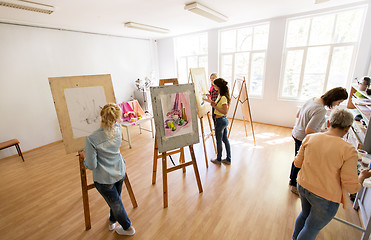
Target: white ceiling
(108, 17)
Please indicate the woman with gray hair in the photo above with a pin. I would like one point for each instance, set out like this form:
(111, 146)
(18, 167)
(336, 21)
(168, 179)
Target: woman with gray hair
(328, 171)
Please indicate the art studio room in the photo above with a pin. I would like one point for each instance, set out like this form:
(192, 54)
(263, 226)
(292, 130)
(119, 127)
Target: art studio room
(173, 120)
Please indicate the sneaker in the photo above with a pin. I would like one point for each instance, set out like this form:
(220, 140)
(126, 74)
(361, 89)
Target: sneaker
(111, 225)
(216, 161)
(129, 232)
(227, 162)
(294, 190)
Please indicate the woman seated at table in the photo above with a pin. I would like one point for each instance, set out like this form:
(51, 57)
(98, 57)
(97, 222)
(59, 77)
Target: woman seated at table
(328, 170)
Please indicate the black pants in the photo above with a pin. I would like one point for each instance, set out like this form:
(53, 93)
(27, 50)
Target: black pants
(294, 170)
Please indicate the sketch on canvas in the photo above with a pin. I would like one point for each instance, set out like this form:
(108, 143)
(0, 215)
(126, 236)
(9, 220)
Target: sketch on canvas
(175, 116)
(201, 86)
(84, 105)
(78, 100)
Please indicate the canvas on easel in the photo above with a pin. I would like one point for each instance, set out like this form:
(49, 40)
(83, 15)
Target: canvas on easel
(175, 118)
(176, 127)
(240, 97)
(201, 84)
(78, 101)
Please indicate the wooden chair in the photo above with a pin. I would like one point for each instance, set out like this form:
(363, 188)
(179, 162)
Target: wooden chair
(10, 143)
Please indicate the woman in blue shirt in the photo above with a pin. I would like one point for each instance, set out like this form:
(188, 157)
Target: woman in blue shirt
(103, 157)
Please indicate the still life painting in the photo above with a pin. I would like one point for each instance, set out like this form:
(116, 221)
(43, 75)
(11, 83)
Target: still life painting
(175, 115)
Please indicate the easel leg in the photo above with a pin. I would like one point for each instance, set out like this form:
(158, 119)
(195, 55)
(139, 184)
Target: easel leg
(85, 197)
(211, 131)
(182, 159)
(200, 190)
(130, 191)
(203, 140)
(155, 156)
(244, 123)
(164, 178)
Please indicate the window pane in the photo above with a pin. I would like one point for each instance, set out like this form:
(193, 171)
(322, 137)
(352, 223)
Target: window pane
(226, 68)
(321, 29)
(192, 62)
(297, 33)
(203, 63)
(260, 37)
(315, 71)
(203, 44)
(291, 77)
(257, 73)
(242, 64)
(244, 39)
(182, 70)
(348, 26)
(340, 65)
(228, 41)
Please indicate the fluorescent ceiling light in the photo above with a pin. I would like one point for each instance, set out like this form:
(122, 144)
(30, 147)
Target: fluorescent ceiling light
(199, 9)
(146, 27)
(28, 6)
(320, 1)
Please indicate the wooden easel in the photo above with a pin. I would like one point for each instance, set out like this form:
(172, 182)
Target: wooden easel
(245, 111)
(156, 156)
(205, 137)
(182, 164)
(85, 187)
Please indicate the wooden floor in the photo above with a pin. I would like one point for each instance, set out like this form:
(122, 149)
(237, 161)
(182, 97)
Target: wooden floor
(250, 199)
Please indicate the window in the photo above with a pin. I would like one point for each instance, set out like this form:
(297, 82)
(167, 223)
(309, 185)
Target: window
(319, 53)
(242, 54)
(191, 52)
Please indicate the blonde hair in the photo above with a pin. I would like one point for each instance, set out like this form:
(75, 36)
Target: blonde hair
(109, 114)
(214, 74)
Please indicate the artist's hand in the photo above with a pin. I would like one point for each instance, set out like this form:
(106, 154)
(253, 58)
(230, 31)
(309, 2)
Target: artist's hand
(365, 173)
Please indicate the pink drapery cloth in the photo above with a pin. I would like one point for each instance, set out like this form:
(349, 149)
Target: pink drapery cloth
(131, 106)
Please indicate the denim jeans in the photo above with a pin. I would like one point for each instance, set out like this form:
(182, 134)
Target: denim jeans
(222, 136)
(294, 170)
(112, 194)
(316, 213)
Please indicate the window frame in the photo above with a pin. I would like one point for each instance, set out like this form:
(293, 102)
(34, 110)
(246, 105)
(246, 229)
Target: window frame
(332, 46)
(251, 53)
(188, 56)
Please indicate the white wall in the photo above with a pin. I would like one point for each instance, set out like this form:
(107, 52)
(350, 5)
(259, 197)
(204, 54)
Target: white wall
(28, 56)
(270, 109)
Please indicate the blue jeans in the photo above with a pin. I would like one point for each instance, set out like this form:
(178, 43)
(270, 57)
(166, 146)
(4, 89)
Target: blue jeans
(112, 194)
(294, 170)
(316, 213)
(221, 135)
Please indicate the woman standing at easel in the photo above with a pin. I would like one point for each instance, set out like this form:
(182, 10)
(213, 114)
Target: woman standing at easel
(102, 151)
(220, 107)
